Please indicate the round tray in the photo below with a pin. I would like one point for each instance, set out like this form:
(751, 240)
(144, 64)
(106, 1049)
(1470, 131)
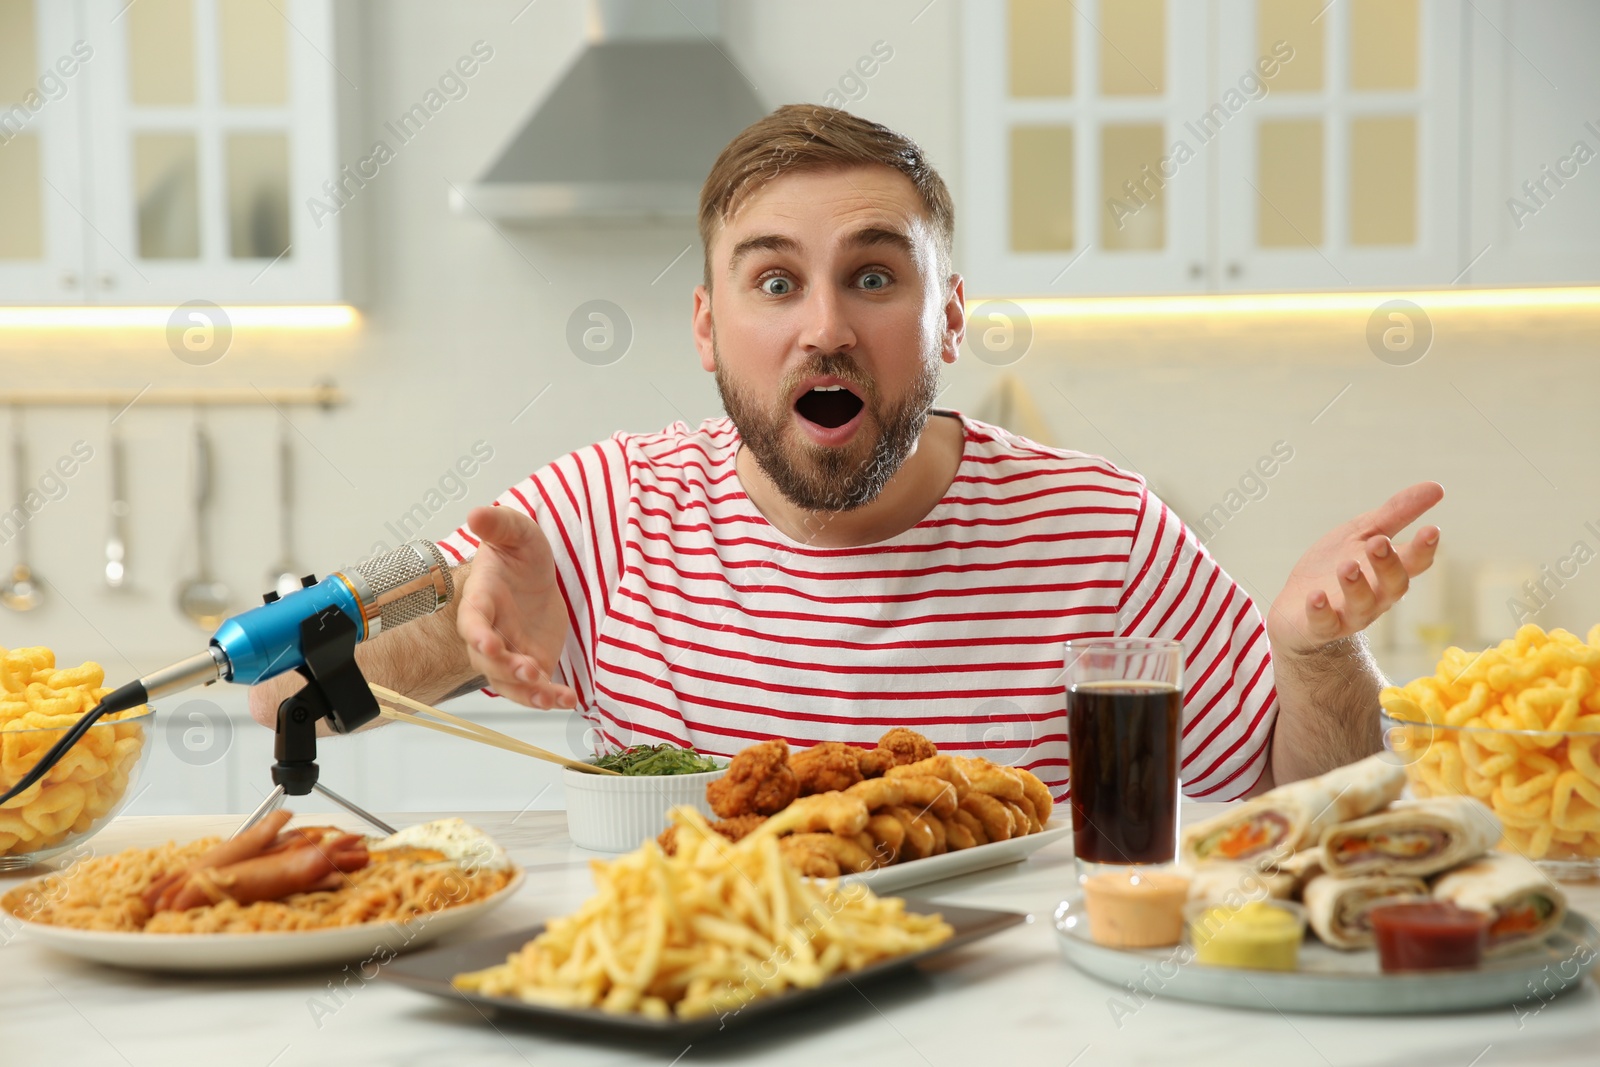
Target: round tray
(1331, 982)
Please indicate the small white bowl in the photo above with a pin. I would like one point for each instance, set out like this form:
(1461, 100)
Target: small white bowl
(618, 813)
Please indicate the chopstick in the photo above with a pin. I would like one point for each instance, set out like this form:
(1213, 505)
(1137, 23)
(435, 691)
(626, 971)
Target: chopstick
(472, 731)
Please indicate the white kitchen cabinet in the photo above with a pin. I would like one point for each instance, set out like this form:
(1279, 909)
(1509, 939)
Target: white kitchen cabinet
(43, 74)
(1534, 144)
(1070, 111)
(189, 147)
(1347, 174)
(1302, 145)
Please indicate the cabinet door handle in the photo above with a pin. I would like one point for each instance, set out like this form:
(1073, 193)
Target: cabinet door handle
(1235, 269)
(108, 280)
(1197, 271)
(69, 279)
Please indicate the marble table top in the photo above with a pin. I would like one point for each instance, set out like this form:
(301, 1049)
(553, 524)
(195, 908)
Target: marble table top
(1010, 998)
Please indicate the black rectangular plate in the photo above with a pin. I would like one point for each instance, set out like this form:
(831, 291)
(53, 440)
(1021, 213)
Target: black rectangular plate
(430, 971)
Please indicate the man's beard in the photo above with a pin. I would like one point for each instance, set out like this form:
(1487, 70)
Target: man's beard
(816, 477)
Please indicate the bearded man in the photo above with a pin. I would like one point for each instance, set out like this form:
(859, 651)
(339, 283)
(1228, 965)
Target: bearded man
(839, 556)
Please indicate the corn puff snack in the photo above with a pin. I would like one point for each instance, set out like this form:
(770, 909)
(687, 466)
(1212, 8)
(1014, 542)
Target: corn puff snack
(1543, 782)
(38, 702)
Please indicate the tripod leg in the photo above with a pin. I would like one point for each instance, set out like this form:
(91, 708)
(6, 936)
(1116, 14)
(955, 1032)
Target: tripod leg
(354, 809)
(273, 802)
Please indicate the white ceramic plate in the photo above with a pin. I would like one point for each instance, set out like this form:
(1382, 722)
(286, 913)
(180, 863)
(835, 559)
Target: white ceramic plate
(254, 953)
(1330, 981)
(951, 864)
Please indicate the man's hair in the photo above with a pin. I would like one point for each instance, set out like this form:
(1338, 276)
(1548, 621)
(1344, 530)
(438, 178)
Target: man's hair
(799, 137)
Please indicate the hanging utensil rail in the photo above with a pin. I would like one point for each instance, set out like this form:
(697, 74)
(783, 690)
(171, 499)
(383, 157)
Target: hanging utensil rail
(324, 395)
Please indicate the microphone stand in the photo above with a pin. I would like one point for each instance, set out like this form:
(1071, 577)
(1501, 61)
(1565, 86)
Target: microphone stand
(335, 690)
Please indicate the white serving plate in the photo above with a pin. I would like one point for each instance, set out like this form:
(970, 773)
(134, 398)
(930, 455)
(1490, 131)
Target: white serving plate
(271, 951)
(1333, 982)
(951, 864)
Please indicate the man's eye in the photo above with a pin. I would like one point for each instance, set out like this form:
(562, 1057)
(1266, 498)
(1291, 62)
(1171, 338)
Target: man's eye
(778, 286)
(874, 279)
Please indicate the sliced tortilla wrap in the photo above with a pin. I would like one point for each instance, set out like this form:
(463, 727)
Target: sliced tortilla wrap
(1337, 908)
(1234, 884)
(1302, 866)
(1524, 904)
(1291, 817)
(1420, 837)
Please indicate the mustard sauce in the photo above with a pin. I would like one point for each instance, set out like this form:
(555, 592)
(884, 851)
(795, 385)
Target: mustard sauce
(1257, 936)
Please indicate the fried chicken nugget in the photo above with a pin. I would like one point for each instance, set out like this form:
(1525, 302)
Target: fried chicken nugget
(998, 822)
(759, 781)
(837, 813)
(941, 843)
(896, 748)
(822, 852)
(809, 862)
(918, 791)
(1023, 819)
(826, 766)
(888, 837)
(994, 779)
(972, 825)
(906, 746)
(878, 793)
(1044, 805)
(940, 766)
(733, 829)
(956, 834)
(930, 794)
(920, 840)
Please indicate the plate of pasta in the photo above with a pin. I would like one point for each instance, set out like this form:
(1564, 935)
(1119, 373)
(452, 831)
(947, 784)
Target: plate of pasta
(271, 898)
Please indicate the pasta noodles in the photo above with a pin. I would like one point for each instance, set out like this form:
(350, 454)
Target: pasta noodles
(1544, 781)
(38, 702)
(104, 893)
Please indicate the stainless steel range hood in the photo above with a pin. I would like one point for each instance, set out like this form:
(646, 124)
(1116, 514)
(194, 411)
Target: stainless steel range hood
(632, 127)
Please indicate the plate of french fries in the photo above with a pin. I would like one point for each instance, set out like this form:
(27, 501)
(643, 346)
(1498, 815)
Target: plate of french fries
(717, 933)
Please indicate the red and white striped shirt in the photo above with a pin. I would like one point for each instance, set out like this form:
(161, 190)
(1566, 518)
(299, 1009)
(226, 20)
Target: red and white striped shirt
(694, 620)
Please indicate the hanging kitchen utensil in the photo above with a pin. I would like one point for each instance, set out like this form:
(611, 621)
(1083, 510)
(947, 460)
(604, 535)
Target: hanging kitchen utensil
(202, 598)
(22, 592)
(117, 539)
(285, 575)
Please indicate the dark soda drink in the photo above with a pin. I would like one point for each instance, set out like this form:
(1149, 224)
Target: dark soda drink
(1124, 739)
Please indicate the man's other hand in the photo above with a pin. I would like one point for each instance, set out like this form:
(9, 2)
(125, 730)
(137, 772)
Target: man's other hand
(1354, 574)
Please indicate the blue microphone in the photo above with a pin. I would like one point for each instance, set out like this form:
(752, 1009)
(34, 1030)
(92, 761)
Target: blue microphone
(384, 592)
(379, 594)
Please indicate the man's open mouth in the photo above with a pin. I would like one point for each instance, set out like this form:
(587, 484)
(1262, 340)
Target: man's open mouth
(830, 406)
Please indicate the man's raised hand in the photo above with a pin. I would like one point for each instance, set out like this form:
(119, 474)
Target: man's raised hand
(511, 615)
(1354, 574)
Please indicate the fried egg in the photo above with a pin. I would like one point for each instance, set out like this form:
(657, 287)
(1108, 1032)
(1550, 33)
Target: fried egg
(465, 846)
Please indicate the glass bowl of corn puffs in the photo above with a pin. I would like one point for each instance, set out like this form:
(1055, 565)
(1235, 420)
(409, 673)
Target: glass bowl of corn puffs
(83, 792)
(1518, 727)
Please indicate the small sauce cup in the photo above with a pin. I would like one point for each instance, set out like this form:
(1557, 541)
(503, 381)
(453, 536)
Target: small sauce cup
(1428, 935)
(1262, 935)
